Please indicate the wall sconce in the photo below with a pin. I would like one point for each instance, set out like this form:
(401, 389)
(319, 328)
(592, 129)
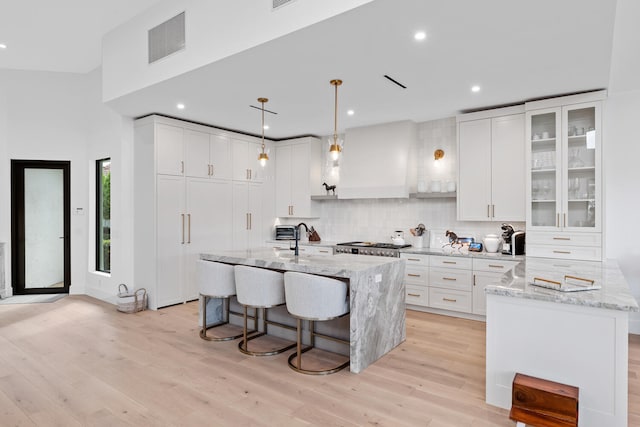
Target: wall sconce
(437, 156)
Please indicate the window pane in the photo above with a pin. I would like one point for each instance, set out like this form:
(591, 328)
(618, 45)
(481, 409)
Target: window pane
(103, 215)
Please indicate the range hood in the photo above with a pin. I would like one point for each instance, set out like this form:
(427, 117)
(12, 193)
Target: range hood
(375, 161)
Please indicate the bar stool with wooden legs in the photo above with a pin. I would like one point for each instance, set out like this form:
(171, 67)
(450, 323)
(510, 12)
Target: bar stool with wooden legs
(215, 280)
(261, 289)
(314, 298)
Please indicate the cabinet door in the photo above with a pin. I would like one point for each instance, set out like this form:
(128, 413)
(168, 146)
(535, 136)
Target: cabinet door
(581, 167)
(207, 224)
(171, 239)
(169, 150)
(544, 160)
(300, 192)
(240, 152)
(508, 187)
(474, 169)
(240, 221)
(255, 170)
(220, 157)
(196, 154)
(254, 207)
(480, 281)
(283, 180)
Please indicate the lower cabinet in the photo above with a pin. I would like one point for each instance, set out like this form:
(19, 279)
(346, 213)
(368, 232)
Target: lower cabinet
(451, 283)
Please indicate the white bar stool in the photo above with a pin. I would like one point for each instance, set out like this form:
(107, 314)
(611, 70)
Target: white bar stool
(314, 298)
(261, 289)
(215, 280)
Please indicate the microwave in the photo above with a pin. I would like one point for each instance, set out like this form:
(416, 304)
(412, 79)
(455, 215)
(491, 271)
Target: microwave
(285, 232)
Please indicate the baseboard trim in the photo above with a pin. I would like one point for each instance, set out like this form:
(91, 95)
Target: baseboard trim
(101, 295)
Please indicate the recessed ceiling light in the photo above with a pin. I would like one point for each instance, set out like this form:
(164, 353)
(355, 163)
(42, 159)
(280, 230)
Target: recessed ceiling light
(475, 88)
(180, 106)
(3, 46)
(266, 127)
(351, 112)
(420, 35)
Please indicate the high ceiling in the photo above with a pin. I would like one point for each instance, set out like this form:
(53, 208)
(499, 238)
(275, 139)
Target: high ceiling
(513, 50)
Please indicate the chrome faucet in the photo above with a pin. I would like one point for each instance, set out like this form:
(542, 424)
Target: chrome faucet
(296, 236)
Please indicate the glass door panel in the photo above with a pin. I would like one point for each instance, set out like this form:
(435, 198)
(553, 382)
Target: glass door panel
(581, 168)
(544, 159)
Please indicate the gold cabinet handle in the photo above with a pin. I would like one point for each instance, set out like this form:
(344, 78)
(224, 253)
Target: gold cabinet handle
(474, 280)
(449, 300)
(413, 259)
(188, 228)
(562, 238)
(540, 279)
(449, 262)
(250, 221)
(488, 216)
(590, 281)
(414, 295)
(450, 278)
(557, 219)
(565, 219)
(561, 252)
(246, 221)
(292, 210)
(413, 275)
(496, 266)
(324, 252)
(493, 211)
(182, 215)
(181, 166)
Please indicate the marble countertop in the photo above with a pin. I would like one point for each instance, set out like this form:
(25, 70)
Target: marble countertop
(342, 265)
(614, 294)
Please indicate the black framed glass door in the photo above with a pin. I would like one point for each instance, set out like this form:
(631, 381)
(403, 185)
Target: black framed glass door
(40, 226)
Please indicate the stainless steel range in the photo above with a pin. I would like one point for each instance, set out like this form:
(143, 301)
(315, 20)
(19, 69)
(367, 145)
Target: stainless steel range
(369, 248)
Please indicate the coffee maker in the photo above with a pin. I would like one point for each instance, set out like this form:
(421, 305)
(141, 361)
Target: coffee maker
(513, 240)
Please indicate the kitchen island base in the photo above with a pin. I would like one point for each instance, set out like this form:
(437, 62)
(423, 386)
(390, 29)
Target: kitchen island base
(582, 346)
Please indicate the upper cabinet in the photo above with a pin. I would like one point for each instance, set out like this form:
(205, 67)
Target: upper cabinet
(564, 183)
(298, 175)
(491, 166)
(206, 155)
(245, 160)
(169, 150)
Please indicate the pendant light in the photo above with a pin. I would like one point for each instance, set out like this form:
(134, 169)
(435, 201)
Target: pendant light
(263, 157)
(335, 148)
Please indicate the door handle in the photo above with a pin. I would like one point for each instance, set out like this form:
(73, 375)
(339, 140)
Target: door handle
(250, 222)
(565, 219)
(189, 228)
(181, 166)
(182, 215)
(61, 237)
(488, 216)
(493, 211)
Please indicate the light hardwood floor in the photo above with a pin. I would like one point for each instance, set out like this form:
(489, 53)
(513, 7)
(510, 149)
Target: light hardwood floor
(79, 362)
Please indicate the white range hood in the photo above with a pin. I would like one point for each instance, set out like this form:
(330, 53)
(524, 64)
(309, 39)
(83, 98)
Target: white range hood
(375, 161)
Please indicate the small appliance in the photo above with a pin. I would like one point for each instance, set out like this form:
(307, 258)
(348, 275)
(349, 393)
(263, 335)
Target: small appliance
(514, 241)
(285, 232)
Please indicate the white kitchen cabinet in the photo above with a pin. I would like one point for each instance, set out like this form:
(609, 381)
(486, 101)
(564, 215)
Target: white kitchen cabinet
(245, 160)
(416, 279)
(247, 215)
(450, 283)
(487, 272)
(491, 177)
(564, 181)
(298, 175)
(169, 150)
(176, 216)
(206, 155)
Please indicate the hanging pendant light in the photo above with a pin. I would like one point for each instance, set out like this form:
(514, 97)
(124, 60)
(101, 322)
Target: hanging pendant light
(263, 157)
(335, 148)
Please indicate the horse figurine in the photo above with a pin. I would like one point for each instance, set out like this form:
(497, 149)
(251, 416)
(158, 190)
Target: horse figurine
(329, 188)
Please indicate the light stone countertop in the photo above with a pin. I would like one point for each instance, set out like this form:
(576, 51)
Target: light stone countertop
(614, 295)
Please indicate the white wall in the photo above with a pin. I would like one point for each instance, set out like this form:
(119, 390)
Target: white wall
(60, 116)
(214, 30)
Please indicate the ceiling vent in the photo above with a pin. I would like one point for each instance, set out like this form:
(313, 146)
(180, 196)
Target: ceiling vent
(166, 38)
(280, 3)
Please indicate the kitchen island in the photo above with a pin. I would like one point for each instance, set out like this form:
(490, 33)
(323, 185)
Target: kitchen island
(376, 293)
(576, 338)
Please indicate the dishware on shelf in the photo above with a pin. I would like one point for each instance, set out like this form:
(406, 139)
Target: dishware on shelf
(536, 136)
(451, 186)
(436, 186)
(545, 135)
(574, 158)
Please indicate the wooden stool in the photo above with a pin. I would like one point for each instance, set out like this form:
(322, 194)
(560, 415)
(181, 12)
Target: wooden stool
(543, 403)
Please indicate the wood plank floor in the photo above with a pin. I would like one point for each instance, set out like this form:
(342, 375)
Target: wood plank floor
(79, 362)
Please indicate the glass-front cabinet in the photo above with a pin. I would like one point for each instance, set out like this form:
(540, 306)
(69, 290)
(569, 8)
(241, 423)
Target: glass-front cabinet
(563, 183)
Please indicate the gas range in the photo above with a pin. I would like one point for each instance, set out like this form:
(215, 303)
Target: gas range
(369, 248)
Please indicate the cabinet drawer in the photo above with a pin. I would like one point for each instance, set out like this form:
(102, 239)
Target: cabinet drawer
(316, 250)
(451, 262)
(563, 239)
(416, 275)
(565, 252)
(416, 259)
(450, 279)
(417, 295)
(450, 299)
(498, 266)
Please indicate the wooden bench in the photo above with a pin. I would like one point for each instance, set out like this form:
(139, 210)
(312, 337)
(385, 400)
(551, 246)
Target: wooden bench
(543, 403)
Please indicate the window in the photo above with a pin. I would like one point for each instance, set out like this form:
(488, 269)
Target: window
(103, 215)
